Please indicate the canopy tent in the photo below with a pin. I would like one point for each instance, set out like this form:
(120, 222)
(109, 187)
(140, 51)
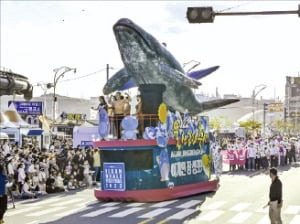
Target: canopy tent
(14, 117)
(4, 121)
(3, 135)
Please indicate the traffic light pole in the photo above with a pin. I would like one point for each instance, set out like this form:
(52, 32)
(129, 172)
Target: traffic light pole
(207, 15)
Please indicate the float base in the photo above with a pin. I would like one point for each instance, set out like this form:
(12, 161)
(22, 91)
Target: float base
(155, 195)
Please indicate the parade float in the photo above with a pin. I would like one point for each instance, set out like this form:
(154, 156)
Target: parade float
(173, 157)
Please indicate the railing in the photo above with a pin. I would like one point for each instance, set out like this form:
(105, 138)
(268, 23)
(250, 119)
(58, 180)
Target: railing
(145, 120)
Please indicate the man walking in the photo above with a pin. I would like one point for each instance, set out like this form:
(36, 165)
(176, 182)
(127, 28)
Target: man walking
(275, 203)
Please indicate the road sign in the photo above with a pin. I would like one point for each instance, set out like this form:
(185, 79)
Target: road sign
(275, 107)
(28, 108)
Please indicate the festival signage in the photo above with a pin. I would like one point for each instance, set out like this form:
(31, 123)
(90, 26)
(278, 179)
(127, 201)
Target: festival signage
(28, 108)
(73, 117)
(114, 176)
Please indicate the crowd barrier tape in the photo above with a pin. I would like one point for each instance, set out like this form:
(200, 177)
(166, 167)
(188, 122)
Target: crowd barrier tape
(235, 157)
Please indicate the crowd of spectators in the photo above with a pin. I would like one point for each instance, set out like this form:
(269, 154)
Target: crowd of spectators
(33, 171)
(263, 153)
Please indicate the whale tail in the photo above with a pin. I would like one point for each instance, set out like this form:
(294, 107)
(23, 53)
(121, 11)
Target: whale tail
(214, 104)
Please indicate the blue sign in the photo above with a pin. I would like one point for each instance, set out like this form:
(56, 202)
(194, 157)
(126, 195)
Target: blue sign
(86, 143)
(114, 176)
(28, 108)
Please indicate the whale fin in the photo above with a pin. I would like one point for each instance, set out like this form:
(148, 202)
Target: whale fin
(178, 76)
(213, 104)
(117, 81)
(130, 84)
(199, 74)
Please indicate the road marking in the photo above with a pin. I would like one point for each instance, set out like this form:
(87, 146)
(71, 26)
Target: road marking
(154, 213)
(292, 209)
(295, 220)
(46, 211)
(263, 210)
(215, 205)
(93, 202)
(69, 201)
(146, 221)
(100, 212)
(210, 215)
(240, 217)
(46, 201)
(33, 222)
(189, 204)
(126, 212)
(240, 207)
(182, 214)
(264, 220)
(163, 221)
(79, 209)
(15, 212)
(135, 204)
(111, 204)
(163, 204)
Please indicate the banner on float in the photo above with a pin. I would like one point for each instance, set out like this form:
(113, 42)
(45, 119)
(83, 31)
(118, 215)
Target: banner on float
(235, 157)
(114, 176)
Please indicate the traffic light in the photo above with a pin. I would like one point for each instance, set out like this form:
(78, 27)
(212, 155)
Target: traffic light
(200, 14)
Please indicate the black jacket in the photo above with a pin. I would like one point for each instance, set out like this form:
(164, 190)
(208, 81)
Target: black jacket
(276, 190)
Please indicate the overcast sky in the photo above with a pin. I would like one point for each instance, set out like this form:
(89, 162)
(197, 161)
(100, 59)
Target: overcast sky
(38, 36)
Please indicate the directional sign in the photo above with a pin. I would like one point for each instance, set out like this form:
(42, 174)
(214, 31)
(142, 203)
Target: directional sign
(275, 107)
(28, 108)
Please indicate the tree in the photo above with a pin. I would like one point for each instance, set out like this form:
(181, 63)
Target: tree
(250, 125)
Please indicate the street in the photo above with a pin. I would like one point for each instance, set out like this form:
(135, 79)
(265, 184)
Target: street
(239, 199)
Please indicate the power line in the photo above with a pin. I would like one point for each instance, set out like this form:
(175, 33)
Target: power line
(80, 77)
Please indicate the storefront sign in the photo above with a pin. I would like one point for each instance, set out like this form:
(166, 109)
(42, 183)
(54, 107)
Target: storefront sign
(114, 176)
(28, 108)
(73, 117)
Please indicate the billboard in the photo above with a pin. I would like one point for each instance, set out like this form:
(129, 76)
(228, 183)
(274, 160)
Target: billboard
(28, 108)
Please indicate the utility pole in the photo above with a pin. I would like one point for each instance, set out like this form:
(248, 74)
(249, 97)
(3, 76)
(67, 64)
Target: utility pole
(107, 72)
(264, 119)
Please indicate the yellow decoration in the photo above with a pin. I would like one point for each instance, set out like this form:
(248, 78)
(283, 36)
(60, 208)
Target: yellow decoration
(206, 165)
(162, 113)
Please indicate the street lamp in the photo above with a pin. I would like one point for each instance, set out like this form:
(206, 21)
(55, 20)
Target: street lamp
(64, 69)
(45, 87)
(254, 94)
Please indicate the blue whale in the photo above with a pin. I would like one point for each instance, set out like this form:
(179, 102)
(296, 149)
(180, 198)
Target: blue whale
(146, 61)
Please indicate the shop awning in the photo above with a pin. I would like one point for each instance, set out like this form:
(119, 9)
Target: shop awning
(35, 132)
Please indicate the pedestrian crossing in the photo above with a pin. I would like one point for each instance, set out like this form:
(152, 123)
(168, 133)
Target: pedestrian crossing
(177, 210)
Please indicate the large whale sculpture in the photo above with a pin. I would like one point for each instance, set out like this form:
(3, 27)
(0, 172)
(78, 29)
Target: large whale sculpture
(146, 61)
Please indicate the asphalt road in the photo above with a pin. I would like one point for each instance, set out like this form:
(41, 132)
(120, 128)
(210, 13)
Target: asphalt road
(239, 199)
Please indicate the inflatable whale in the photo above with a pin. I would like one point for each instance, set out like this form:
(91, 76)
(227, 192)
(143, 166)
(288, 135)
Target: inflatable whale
(146, 61)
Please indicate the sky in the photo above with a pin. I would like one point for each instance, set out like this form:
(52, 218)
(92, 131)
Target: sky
(39, 36)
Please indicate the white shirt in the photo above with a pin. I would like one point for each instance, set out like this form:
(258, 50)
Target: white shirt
(251, 152)
(21, 175)
(10, 169)
(6, 149)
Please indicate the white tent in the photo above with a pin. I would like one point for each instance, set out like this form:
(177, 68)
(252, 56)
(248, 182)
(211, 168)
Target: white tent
(14, 117)
(4, 122)
(3, 135)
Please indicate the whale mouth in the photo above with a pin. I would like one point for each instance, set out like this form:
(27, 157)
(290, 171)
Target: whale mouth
(127, 26)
